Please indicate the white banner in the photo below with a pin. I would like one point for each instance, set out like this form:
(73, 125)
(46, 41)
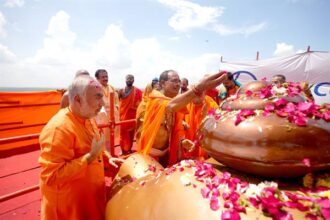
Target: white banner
(311, 67)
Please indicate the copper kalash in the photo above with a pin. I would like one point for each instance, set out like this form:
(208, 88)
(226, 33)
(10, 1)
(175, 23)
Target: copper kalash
(269, 131)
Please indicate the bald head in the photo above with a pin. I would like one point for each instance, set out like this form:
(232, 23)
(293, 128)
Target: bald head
(129, 80)
(278, 79)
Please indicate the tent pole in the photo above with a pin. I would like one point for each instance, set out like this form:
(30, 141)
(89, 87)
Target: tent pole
(257, 58)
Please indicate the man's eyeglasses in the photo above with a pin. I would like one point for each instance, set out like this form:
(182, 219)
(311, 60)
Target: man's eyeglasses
(175, 81)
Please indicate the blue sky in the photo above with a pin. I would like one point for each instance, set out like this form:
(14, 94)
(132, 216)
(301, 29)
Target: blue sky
(43, 42)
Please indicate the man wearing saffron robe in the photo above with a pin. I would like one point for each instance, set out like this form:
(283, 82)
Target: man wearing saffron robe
(162, 133)
(103, 117)
(198, 108)
(72, 172)
(129, 100)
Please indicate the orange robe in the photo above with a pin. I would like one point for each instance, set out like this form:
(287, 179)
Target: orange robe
(103, 116)
(70, 187)
(127, 110)
(194, 119)
(153, 117)
(213, 93)
(141, 110)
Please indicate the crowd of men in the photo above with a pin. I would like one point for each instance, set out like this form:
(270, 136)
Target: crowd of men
(74, 151)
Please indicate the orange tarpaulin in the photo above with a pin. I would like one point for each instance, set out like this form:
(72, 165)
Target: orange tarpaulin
(24, 113)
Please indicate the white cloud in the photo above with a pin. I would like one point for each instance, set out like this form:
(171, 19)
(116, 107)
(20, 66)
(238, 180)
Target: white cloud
(174, 38)
(55, 63)
(2, 25)
(194, 69)
(6, 55)
(283, 49)
(58, 45)
(14, 3)
(189, 15)
(225, 30)
(113, 49)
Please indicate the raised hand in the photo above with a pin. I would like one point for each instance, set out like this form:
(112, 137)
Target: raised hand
(114, 160)
(96, 148)
(211, 81)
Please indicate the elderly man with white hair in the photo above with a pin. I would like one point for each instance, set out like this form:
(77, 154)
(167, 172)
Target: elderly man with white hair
(72, 176)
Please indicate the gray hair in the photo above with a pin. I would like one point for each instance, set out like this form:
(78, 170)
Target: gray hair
(79, 86)
(82, 72)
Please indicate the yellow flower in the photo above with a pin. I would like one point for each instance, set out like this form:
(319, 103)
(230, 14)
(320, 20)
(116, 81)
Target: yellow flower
(308, 180)
(325, 182)
(325, 194)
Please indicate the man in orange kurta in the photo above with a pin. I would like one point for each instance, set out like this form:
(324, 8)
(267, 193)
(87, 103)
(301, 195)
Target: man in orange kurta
(198, 109)
(103, 116)
(129, 99)
(72, 172)
(162, 132)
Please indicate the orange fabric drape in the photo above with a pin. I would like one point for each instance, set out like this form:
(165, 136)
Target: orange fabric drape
(177, 135)
(128, 106)
(23, 113)
(194, 119)
(154, 115)
(213, 93)
(127, 110)
(141, 110)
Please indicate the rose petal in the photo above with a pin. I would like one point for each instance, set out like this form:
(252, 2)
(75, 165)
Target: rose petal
(248, 93)
(214, 203)
(230, 215)
(306, 162)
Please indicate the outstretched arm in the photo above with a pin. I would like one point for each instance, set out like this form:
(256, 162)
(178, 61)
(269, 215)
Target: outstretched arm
(208, 82)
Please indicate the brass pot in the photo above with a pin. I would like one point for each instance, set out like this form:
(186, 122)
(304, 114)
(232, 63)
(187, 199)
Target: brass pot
(266, 146)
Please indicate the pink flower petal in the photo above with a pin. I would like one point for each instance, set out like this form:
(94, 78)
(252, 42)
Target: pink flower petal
(205, 192)
(304, 106)
(283, 216)
(265, 93)
(214, 203)
(326, 116)
(265, 113)
(247, 112)
(306, 162)
(248, 93)
(311, 216)
(225, 195)
(230, 215)
(281, 113)
(289, 107)
(280, 102)
(269, 107)
(301, 121)
(212, 111)
(238, 119)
